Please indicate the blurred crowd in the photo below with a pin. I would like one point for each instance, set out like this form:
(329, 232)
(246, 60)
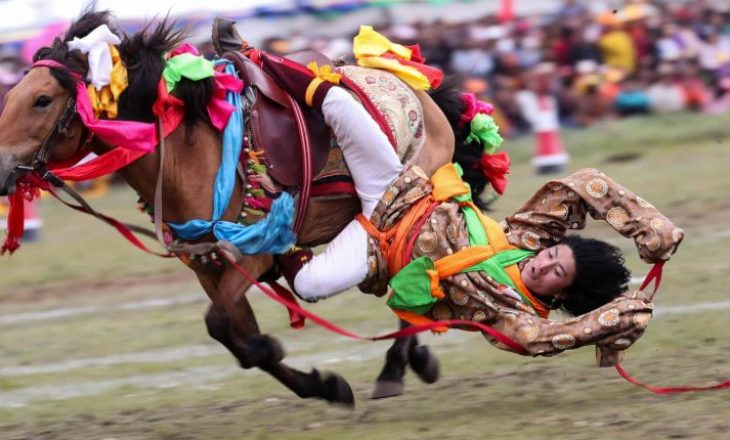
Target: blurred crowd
(595, 59)
(597, 62)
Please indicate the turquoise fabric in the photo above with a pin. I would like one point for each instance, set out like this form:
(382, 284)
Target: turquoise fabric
(273, 234)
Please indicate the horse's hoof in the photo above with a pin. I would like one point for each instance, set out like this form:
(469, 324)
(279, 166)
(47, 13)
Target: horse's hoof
(424, 363)
(387, 388)
(338, 391)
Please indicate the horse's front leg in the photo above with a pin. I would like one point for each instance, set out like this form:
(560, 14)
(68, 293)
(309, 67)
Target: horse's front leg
(231, 321)
(405, 351)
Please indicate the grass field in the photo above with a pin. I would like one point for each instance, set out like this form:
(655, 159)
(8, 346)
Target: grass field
(100, 341)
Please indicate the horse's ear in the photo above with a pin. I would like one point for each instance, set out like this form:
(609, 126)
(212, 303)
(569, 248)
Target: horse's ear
(42, 53)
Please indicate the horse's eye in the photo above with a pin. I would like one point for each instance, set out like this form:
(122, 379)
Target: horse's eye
(42, 101)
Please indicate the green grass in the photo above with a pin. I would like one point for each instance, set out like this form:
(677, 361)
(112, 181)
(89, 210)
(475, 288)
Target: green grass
(483, 393)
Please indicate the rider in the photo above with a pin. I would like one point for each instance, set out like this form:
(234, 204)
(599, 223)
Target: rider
(535, 267)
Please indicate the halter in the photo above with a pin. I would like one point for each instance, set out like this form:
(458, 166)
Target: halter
(62, 127)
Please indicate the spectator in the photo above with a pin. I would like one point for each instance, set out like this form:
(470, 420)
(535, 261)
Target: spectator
(666, 95)
(632, 98)
(617, 47)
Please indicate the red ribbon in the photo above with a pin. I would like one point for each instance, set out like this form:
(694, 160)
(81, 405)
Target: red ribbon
(495, 167)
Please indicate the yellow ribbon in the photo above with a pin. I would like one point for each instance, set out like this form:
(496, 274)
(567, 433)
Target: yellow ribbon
(369, 46)
(321, 74)
(369, 43)
(106, 100)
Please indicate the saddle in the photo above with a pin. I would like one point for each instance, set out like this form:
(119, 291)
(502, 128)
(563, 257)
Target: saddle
(295, 139)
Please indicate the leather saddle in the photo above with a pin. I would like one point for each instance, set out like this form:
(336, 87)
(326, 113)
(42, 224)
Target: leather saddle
(279, 126)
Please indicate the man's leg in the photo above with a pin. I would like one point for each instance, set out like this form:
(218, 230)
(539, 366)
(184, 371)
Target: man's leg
(373, 165)
(372, 161)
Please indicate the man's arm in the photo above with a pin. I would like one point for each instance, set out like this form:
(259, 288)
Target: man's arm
(563, 204)
(612, 328)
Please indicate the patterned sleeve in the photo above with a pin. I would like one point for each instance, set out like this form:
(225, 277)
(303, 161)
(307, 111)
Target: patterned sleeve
(614, 327)
(563, 204)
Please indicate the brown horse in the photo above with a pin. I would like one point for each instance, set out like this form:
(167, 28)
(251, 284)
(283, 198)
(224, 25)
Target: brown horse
(29, 120)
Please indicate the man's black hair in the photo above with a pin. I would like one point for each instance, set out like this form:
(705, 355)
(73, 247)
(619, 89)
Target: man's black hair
(600, 275)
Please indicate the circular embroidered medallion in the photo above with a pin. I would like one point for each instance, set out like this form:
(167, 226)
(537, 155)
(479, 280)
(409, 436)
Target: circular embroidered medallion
(479, 316)
(609, 318)
(458, 296)
(389, 195)
(427, 242)
(530, 240)
(657, 223)
(597, 188)
(653, 243)
(587, 331)
(641, 320)
(441, 312)
(560, 211)
(563, 341)
(617, 217)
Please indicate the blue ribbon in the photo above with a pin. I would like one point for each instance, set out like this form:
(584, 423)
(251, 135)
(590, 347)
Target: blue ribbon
(271, 235)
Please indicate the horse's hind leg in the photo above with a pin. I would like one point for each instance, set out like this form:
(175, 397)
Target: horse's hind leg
(231, 321)
(403, 352)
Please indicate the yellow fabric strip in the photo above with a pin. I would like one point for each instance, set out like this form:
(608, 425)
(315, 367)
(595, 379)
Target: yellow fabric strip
(447, 183)
(311, 88)
(465, 258)
(496, 236)
(106, 100)
(407, 74)
(369, 43)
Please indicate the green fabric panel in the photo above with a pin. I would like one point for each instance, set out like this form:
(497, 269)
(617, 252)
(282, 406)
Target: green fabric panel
(412, 287)
(459, 170)
(186, 65)
(477, 233)
(494, 266)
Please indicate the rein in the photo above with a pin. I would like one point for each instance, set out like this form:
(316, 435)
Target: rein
(39, 175)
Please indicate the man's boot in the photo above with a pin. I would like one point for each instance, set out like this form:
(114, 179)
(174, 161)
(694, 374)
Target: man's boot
(292, 262)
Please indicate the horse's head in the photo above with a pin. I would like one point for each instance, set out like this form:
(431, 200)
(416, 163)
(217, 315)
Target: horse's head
(38, 123)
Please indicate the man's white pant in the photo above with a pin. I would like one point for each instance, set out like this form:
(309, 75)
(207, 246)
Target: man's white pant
(373, 166)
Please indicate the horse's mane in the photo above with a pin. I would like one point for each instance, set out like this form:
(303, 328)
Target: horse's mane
(142, 54)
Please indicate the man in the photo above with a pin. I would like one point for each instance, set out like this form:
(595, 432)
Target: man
(529, 265)
(444, 260)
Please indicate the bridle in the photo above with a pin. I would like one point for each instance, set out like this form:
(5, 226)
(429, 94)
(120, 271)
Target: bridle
(61, 129)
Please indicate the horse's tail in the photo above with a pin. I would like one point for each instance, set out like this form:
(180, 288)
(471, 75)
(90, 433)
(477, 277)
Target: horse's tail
(466, 154)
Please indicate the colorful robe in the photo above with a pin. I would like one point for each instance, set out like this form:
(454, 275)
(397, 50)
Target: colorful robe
(558, 206)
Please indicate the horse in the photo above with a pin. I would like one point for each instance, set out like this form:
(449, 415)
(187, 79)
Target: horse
(30, 124)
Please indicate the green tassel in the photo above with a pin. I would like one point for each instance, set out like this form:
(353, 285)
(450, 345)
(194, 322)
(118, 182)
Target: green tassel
(485, 131)
(257, 192)
(254, 211)
(259, 168)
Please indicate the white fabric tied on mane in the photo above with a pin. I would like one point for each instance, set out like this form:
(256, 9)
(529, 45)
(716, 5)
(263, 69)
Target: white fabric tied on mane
(96, 44)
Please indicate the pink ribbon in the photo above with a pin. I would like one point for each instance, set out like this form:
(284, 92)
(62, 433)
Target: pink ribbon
(131, 135)
(472, 106)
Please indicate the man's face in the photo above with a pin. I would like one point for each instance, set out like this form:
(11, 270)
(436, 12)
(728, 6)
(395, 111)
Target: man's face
(550, 272)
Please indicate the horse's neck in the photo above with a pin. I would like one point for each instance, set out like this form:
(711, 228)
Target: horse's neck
(189, 172)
